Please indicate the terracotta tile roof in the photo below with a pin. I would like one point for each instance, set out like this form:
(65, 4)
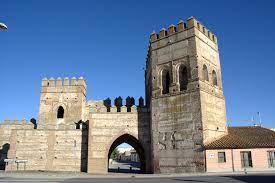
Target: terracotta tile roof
(244, 138)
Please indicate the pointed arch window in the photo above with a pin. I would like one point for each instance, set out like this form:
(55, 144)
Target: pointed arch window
(60, 112)
(205, 73)
(214, 78)
(165, 81)
(183, 77)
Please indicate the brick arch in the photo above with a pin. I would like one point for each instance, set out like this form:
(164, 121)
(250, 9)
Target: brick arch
(134, 142)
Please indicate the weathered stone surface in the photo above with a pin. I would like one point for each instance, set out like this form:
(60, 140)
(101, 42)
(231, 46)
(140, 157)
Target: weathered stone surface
(184, 119)
(49, 150)
(106, 127)
(183, 111)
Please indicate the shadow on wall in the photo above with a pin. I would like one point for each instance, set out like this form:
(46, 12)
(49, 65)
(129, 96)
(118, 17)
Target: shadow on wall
(84, 144)
(4, 155)
(144, 137)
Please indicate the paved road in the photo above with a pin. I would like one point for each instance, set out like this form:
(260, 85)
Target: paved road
(186, 179)
(124, 167)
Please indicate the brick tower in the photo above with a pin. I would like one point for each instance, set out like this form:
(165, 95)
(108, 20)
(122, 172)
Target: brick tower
(184, 92)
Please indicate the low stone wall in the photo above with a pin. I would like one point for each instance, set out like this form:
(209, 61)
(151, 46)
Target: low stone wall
(48, 150)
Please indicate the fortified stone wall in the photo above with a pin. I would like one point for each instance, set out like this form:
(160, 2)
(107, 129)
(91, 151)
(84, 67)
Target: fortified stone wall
(49, 150)
(6, 128)
(108, 129)
(185, 108)
(8, 125)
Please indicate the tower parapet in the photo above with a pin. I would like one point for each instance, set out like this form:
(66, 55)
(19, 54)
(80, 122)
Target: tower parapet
(62, 102)
(66, 85)
(182, 26)
(59, 82)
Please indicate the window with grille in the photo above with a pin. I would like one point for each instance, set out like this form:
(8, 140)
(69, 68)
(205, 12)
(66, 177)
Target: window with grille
(271, 159)
(246, 159)
(221, 157)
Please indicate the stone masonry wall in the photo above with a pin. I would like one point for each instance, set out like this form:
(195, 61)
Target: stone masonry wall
(177, 136)
(168, 133)
(211, 96)
(49, 150)
(5, 133)
(106, 127)
(69, 94)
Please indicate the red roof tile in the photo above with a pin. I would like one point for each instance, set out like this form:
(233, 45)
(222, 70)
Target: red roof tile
(244, 138)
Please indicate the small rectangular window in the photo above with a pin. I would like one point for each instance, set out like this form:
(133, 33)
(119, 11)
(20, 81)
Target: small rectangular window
(221, 157)
(246, 159)
(271, 159)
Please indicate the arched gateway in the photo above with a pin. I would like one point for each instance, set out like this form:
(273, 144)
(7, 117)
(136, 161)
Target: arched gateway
(110, 128)
(184, 110)
(131, 140)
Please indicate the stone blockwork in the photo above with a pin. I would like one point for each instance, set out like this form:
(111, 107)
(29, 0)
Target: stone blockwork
(6, 128)
(211, 93)
(187, 109)
(8, 125)
(70, 95)
(108, 129)
(184, 108)
(49, 150)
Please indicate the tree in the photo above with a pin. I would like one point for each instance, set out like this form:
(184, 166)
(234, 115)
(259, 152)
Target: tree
(114, 154)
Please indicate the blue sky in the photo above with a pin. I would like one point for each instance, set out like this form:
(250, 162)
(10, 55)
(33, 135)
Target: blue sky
(106, 42)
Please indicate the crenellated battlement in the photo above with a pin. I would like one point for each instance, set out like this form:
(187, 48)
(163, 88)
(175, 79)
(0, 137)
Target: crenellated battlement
(182, 26)
(117, 105)
(59, 82)
(16, 122)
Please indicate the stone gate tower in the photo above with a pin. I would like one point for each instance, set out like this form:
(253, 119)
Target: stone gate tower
(62, 103)
(185, 96)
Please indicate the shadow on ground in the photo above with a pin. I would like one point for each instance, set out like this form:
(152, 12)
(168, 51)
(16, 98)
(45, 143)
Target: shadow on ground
(193, 179)
(254, 178)
(124, 167)
(234, 178)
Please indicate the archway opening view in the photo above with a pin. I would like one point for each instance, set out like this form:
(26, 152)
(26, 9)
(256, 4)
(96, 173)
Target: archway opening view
(124, 159)
(126, 156)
